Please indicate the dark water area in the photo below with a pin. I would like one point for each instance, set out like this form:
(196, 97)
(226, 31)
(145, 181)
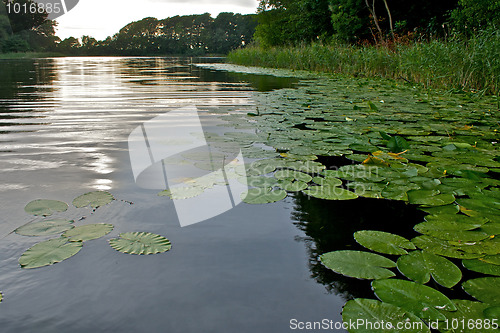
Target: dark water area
(64, 125)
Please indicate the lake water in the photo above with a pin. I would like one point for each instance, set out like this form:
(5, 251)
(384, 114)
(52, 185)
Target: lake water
(64, 126)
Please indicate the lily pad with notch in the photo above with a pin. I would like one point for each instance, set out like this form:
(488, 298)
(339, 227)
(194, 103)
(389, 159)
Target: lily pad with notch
(140, 243)
(358, 264)
(383, 242)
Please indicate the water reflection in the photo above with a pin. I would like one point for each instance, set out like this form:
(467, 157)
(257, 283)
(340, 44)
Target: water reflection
(329, 226)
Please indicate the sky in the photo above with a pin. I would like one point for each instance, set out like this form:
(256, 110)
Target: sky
(103, 18)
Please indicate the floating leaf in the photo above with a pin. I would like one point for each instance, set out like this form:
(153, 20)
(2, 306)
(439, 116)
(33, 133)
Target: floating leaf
(42, 207)
(88, 232)
(262, 195)
(418, 299)
(468, 312)
(492, 312)
(328, 181)
(383, 242)
(258, 181)
(454, 231)
(45, 228)
(444, 248)
(429, 198)
(291, 175)
(49, 252)
(478, 265)
(419, 266)
(397, 144)
(373, 312)
(330, 193)
(294, 186)
(495, 259)
(485, 289)
(93, 199)
(140, 243)
(358, 264)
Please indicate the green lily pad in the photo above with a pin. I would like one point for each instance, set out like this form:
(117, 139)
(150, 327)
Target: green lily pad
(448, 249)
(494, 259)
(485, 289)
(262, 195)
(492, 312)
(330, 193)
(358, 264)
(140, 243)
(291, 175)
(93, 199)
(418, 299)
(328, 181)
(49, 252)
(373, 312)
(447, 209)
(42, 207)
(258, 181)
(429, 198)
(453, 231)
(419, 266)
(292, 186)
(468, 312)
(45, 228)
(383, 242)
(478, 265)
(88, 232)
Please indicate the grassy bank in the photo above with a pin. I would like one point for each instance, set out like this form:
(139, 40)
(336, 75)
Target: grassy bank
(28, 55)
(472, 66)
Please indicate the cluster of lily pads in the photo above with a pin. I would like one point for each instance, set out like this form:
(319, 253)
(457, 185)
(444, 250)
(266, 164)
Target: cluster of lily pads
(72, 238)
(439, 152)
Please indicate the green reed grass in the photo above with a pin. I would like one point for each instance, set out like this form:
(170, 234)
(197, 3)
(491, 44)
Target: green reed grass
(472, 65)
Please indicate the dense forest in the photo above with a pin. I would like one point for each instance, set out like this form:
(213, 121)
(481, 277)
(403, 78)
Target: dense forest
(179, 35)
(287, 22)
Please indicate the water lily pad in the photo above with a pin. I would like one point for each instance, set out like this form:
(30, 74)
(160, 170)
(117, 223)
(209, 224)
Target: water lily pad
(328, 181)
(468, 312)
(485, 289)
(42, 207)
(418, 299)
(292, 186)
(445, 248)
(258, 181)
(480, 266)
(383, 242)
(263, 195)
(49, 252)
(140, 243)
(419, 266)
(88, 232)
(291, 175)
(492, 312)
(45, 228)
(454, 231)
(494, 259)
(429, 198)
(93, 199)
(373, 312)
(358, 264)
(447, 209)
(330, 193)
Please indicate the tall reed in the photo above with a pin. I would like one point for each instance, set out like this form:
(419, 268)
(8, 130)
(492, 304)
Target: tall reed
(472, 65)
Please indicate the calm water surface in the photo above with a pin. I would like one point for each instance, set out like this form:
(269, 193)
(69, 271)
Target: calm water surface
(64, 125)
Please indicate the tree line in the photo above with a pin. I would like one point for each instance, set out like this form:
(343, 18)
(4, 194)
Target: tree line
(288, 22)
(192, 35)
